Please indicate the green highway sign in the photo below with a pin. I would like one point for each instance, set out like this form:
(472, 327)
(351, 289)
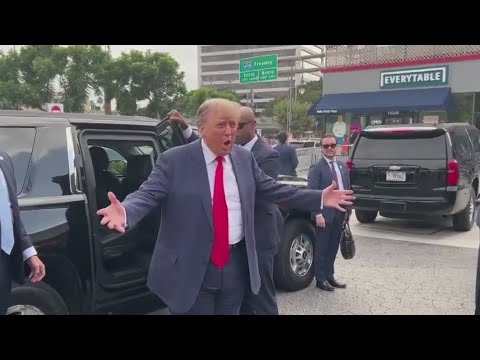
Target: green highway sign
(259, 68)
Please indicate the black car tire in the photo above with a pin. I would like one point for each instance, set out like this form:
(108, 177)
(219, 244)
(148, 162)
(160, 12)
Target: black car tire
(284, 276)
(463, 221)
(365, 216)
(37, 298)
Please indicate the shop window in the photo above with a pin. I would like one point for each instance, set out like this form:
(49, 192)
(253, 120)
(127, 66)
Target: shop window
(462, 107)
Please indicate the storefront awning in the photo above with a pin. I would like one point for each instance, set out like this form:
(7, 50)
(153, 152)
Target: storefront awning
(383, 101)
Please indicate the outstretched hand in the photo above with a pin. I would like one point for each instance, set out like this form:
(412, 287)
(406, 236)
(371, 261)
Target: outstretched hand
(113, 215)
(336, 198)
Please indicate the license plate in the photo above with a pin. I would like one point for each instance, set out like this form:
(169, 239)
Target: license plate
(396, 176)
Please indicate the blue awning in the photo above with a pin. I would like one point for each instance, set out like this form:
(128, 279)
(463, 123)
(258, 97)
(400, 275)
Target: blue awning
(383, 101)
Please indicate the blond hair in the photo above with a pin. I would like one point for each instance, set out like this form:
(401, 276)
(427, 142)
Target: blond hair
(217, 104)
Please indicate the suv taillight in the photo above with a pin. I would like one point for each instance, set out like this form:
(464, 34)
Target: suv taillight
(349, 164)
(453, 174)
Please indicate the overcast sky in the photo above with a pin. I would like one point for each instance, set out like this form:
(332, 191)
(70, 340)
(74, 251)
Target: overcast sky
(186, 55)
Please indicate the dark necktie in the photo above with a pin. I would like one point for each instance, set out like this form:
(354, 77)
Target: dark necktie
(334, 173)
(219, 254)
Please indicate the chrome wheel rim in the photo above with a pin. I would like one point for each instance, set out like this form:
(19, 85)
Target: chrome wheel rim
(301, 255)
(24, 310)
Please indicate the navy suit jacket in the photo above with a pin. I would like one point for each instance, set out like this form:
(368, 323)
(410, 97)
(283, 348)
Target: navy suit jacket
(179, 184)
(320, 176)
(268, 218)
(288, 159)
(22, 240)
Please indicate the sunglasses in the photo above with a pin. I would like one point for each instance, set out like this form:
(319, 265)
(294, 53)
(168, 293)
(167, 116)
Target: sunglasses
(331, 146)
(241, 125)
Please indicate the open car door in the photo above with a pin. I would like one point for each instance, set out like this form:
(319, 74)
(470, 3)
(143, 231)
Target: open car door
(169, 135)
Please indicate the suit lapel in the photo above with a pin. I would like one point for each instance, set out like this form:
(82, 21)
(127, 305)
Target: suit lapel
(327, 169)
(200, 170)
(7, 175)
(240, 173)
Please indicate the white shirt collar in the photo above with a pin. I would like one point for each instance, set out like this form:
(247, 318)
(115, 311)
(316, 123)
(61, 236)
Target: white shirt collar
(330, 160)
(249, 145)
(209, 155)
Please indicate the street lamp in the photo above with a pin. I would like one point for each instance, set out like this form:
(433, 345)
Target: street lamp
(298, 64)
(302, 87)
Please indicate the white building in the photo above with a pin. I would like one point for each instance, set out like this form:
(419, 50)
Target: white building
(218, 66)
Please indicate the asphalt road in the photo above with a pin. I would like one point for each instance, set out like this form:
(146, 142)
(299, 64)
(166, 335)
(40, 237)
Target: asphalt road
(394, 277)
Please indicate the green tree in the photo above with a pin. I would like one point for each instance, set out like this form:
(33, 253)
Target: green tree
(83, 62)
(192, 101)
(158, 79)
(40, 66)
(301, 122)
(105, 82)
(151, 76)
(313, 92)
(12, 91)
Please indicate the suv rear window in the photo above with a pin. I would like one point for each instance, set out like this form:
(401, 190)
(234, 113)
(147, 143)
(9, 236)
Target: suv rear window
(18, 144)
(414, 145)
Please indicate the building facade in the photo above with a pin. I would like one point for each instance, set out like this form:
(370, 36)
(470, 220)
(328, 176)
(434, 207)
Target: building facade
(218, 66)
(398, 84)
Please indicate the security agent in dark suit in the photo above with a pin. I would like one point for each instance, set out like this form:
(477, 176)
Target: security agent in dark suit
(328, 221)
(15, 244)
(288, 155)
(268, 218)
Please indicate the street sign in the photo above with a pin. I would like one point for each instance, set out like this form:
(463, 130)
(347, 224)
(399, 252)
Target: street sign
(259, 68)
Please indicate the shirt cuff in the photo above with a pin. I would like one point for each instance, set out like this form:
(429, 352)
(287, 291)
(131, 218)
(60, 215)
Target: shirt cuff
(321, 202)
(125, 217)
(187, 132)
(29, 252)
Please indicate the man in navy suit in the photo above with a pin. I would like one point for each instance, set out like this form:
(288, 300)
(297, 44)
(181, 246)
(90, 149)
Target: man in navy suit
(268, 218)
(328, 221)
(205, 255)
(15, 244)
(288, 155)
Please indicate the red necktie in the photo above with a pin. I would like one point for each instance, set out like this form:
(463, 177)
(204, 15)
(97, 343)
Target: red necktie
(220, 218)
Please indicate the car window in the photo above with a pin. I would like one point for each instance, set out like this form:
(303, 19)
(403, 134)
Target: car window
(475, 138)
(396, 147)
(168, 137)
(461, 144)
(18, 144)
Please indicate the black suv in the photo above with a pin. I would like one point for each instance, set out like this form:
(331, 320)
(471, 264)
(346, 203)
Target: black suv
(417, 170)
(65, 164)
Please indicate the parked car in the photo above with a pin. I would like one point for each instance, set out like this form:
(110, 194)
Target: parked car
(64, 166)
(417, 171)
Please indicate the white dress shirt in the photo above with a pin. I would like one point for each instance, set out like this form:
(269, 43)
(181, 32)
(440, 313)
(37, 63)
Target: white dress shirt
(337, 170)
(339, 177)
(29, 252)
(235, 222)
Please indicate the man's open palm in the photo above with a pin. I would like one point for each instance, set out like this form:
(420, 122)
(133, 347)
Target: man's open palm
(336, 198)
(113, 215)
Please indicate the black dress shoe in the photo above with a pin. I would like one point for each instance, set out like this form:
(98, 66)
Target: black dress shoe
(337, 284)
(324, 285)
